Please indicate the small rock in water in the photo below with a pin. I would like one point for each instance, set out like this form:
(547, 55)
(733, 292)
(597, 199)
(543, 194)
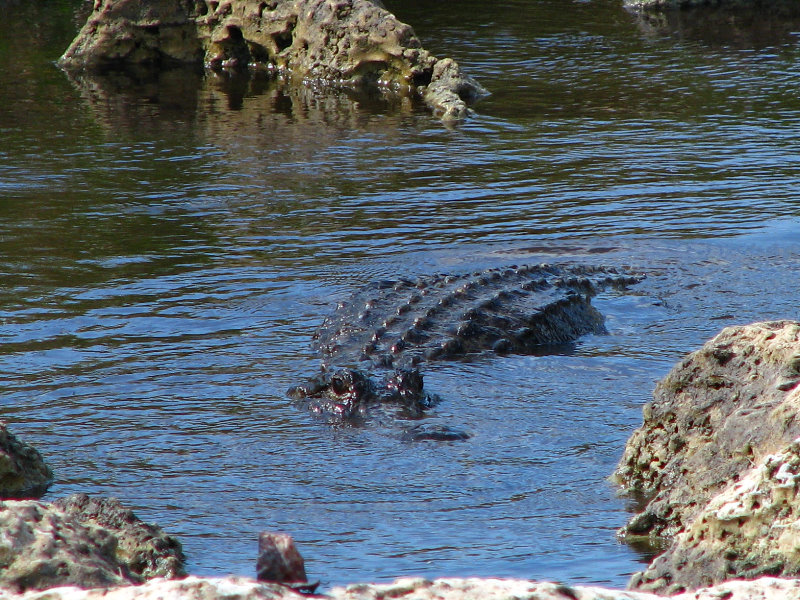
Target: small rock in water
(279, 560)
(435, 433)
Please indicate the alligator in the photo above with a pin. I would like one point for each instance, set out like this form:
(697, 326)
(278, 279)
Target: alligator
(374, 345)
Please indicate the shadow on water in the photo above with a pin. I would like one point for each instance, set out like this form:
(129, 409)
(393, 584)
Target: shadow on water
(770, 24)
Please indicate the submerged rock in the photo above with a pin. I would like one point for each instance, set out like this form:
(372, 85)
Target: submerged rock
(80, 541)
(23, 472)
(715, 459)
(347, 43)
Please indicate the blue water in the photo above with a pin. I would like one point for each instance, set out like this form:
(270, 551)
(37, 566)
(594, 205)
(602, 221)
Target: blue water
(167, 250)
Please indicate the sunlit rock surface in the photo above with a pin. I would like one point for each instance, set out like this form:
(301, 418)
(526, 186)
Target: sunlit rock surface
(142, 547)
(190, 588)
(720, 411)
(279, 559)
(346, 43)
(23, 472)
(750, 529)
(239, 588)
(717, 459)
(80, 541)
(480, 589)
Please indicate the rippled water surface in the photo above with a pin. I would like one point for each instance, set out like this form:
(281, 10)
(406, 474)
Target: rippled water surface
(168, 247)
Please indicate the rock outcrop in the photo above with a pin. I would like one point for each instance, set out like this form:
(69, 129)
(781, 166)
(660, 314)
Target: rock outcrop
(345, 43)
(716, 459)
(720, 411)
(144, 548)
(239, 588)
(415, 588)
(80, 541)
(737, 28)
(190, 588)
(23, 472)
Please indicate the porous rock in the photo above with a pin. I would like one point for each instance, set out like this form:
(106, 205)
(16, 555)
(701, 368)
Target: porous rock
(349, 43)
(190, 588)
(505, 589)
(131, 32)
(23, 472)
(750, 529)
(142, 547)
(47, 545)
(720, 411)
(239, 588)
(480, 589)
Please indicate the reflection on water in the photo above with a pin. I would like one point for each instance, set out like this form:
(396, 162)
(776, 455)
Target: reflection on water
(169, 244)
(770, 25)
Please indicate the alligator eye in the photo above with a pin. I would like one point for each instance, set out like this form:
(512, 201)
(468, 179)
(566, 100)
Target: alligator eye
(339, 386)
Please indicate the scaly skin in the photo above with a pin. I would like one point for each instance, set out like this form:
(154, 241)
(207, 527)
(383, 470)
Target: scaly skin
(373, 345)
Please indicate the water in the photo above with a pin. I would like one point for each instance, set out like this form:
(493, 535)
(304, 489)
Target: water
(168, 247)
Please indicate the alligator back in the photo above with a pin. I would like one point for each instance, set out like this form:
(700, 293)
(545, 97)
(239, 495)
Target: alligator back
(405, 322)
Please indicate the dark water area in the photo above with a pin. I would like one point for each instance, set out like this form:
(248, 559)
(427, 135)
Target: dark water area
(169, 245)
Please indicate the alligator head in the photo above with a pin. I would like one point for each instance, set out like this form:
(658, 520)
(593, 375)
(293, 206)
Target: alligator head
(347, 392)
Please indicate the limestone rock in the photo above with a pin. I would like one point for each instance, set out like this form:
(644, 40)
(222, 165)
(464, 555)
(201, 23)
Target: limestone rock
(721, 410)
(767, 588)
(480, 589)
(239, 588)
(122, 32)
(346, 43)
(683, 4)
(750, 529)
(45, 545)
(23, 472)
(739, 27)
(142, 547)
